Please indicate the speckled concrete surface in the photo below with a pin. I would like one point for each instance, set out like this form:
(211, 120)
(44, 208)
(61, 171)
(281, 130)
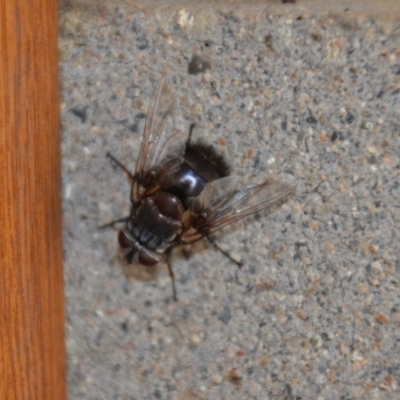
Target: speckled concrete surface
(315, 311)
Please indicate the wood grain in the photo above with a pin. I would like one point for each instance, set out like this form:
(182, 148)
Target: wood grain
(32, 349)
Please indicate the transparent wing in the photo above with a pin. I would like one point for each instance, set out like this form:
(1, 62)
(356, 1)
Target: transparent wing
(163, 143)
(224, 201)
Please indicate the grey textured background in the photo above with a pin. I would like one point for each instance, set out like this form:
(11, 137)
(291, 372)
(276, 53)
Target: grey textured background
(314, 99)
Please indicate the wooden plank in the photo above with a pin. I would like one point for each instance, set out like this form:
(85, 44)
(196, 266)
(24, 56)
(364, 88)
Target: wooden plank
(32, 348)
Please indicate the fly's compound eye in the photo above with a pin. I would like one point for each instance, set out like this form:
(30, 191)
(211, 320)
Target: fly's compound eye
(125, 240)
(147, 258)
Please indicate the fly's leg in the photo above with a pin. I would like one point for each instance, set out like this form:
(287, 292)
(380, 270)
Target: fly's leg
(226, 254)
(119, 163)
(171, 274)
(112, 223)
